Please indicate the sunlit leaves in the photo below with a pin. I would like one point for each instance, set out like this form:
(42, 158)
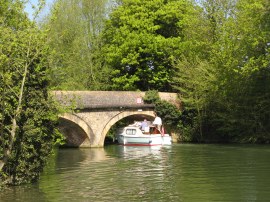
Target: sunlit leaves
(75, 28)
(28, 116)
(142, 39)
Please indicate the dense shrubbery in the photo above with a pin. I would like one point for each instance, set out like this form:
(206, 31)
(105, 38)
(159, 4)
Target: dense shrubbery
(28, 115)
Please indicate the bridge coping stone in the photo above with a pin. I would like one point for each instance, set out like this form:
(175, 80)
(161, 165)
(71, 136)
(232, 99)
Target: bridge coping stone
(92, 99)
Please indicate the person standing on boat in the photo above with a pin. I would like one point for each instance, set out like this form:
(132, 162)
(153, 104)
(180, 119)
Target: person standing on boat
(157, 122)
(144, 125)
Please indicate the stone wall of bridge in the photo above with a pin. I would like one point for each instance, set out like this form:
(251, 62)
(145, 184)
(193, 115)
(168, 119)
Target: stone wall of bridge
(105, 99)
(98, 111)
(89, 129)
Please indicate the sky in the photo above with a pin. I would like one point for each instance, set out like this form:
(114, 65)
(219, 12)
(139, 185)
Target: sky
(30, 11)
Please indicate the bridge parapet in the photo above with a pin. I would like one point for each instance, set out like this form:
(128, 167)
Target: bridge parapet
(108, 99)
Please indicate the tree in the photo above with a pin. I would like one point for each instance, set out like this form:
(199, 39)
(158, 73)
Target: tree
(249, 91)
(142, 39)
(28, 116)
(223, 82)
(75, 28)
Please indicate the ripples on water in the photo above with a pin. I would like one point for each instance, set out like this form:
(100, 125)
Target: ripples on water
(176, 173)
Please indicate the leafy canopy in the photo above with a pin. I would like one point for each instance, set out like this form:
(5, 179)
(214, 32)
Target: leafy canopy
(142, 39)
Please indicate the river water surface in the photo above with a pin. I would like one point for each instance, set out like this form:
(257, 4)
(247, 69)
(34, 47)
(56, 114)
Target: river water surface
(181, 172)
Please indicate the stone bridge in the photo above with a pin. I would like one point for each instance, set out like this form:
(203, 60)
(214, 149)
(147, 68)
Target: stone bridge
(97, 111)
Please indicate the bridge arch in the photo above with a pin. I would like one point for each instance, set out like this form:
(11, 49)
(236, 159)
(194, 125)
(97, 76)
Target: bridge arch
(97, 111)
(78, 133)
(121, 115)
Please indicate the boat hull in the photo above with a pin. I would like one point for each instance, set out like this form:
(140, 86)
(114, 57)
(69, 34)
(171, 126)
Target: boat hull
(144, 140)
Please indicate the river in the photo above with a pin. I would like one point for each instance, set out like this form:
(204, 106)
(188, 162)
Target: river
(181, 172)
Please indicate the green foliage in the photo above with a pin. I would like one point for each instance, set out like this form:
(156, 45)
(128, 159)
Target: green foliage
(170, 114)
(225, 86)
(34, 142)
(142, 40)
(151, 97)
(28, 115)
(74, 36)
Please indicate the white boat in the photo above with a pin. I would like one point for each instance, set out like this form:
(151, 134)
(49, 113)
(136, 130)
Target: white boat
(134, 136)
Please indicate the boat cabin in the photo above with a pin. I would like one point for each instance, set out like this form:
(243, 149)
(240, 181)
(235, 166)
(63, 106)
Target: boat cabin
(132, 130)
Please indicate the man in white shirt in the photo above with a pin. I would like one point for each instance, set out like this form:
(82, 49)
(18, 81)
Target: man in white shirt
(157, 122)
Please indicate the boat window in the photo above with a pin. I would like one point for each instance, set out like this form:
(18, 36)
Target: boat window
(131, 131)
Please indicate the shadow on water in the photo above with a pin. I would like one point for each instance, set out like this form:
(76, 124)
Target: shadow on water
(23, 193)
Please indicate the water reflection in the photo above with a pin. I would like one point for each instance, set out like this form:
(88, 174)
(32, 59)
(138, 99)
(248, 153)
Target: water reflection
(23, 193)
(116, 173)
(222, 172)
(131, 152)
(173, 173)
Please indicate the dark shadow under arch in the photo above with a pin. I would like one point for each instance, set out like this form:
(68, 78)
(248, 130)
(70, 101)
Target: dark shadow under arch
(124, 114)
(74, 134)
